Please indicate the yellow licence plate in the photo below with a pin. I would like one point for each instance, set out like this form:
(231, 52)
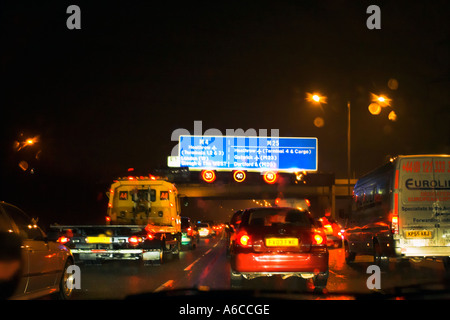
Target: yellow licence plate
(281, 242)
(418, 234)
(98, 239)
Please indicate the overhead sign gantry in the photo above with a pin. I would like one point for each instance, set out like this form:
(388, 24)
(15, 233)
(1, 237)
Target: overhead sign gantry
(279, 154)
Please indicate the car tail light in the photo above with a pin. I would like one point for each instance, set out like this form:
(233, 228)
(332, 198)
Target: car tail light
(150, 236)
(318, 239)
(308, 203)
(134, 240)
(244, 239)
(189, 231)
(63, 239)
(328, 228)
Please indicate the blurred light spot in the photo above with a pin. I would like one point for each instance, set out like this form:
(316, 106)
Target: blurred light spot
(316, 98)
(374, 108)
(392, 116)
(23, 165)
(319, 122)
(383, 101)
(393, 84)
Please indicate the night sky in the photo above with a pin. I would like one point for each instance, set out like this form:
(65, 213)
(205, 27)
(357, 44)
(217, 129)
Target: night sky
(108, 97)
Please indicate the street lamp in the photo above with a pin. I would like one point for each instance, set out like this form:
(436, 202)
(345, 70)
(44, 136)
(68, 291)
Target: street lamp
(379, 102)
(315, 98)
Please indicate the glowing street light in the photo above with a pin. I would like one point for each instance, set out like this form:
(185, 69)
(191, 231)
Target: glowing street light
(382, 100)
(26, 143)
(316, 98)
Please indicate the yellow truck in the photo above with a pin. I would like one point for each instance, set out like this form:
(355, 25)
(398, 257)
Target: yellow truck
(143, 222)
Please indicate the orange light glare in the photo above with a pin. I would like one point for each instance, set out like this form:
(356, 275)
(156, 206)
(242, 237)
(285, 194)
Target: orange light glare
(382, 100)
(316, 98)
(374, 108)
(392, 116)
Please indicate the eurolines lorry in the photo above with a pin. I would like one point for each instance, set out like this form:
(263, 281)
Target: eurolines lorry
(402, 210)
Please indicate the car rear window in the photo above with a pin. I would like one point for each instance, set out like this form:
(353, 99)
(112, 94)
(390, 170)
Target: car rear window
(275, 217)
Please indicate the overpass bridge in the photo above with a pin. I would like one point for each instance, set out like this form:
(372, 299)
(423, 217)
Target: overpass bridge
(325, 191)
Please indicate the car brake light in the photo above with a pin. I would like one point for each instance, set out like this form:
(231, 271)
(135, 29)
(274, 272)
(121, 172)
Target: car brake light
(189, 231)
(63, 240)
(244, 240)
(134, 240)
(318, 239)
(150, 236)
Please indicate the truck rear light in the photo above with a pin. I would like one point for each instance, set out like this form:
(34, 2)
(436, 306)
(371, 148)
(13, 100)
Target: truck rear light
(63, 239)
(394, 224)
(394, 216)
(134, 240)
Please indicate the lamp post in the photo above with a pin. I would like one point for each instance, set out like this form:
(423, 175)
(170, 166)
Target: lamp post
(380, 102)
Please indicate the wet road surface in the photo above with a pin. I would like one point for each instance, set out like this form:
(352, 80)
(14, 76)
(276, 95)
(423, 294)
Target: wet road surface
(207, 267)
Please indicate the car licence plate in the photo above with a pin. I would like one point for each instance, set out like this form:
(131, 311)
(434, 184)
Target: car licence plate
(98, 239)
(281, 242)
(418, 234)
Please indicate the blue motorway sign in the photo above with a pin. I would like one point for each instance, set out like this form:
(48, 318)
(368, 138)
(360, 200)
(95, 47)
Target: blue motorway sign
(248, 153)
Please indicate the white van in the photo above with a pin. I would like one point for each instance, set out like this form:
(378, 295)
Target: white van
(402, 210)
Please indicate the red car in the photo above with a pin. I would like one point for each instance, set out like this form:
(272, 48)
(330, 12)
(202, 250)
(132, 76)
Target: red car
(279, 241)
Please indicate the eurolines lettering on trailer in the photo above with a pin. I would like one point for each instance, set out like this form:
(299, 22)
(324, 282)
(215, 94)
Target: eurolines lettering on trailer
(424, 184)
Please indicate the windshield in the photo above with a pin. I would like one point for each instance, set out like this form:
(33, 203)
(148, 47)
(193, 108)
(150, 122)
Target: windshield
(307, 142)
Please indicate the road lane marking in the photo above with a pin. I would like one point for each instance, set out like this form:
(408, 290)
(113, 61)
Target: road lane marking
(164, 285)
(191, 265)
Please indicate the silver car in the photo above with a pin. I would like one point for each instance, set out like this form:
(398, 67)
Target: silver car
(43, 267)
